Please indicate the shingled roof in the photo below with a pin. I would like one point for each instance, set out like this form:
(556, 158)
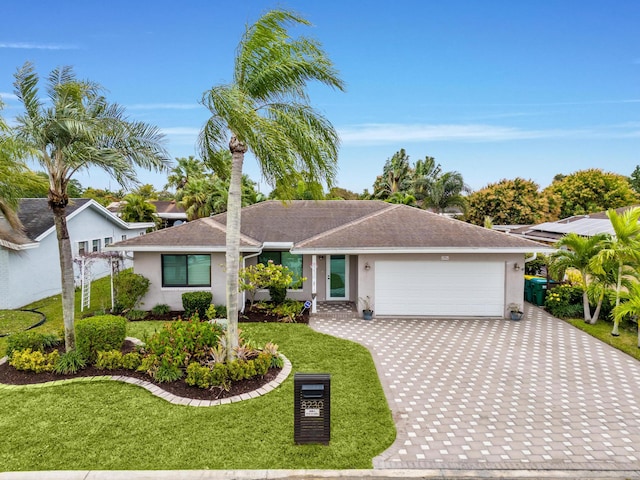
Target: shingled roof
(36, 216)
(352, 225)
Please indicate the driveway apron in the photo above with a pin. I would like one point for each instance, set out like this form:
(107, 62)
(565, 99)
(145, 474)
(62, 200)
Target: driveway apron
(498, 394)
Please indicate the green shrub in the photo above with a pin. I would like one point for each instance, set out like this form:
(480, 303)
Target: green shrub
(198, 376)
(564, 301)
(288, 310)
(131, 361)
(167, 371)
(33, 361)
(70, 362)
(160, 309)
(219, 376)
(182, 342)
(278, 294)
(33, 340)
(100, 333)
(109, 360)
(149, 364)
(129, 289)
(221, 311)
(262, 363)
(216, 311)
(134, 315)
(193, 302)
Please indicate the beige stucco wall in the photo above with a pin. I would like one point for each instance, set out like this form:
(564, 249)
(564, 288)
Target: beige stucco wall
(514, 279)
(149, 264)
(362, 281)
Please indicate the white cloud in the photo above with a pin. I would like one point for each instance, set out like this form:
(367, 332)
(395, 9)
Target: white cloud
(37, 46)
(8, 96)
(389, 133)
(163, 106)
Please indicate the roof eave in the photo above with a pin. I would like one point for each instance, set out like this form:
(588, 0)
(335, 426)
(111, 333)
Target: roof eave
(175, 248)
(437, 250)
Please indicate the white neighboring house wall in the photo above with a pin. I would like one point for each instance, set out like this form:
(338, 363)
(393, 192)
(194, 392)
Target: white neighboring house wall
(34, 274)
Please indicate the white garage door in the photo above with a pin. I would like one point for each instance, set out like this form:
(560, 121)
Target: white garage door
(439, 288)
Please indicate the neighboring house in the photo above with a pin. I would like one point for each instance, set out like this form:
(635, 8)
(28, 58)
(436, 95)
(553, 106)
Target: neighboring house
(170, 212)
(584, 225)
(29, 260)
(406, 260)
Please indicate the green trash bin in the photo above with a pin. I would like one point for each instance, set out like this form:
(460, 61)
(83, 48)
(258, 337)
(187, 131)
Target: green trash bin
(528, 294)
(538, 290)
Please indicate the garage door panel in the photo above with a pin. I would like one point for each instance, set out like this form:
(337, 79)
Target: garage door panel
(439, 288)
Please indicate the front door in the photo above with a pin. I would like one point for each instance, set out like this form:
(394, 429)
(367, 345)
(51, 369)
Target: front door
(337, 277)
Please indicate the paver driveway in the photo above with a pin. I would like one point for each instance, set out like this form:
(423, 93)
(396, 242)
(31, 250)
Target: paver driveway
(498, 394)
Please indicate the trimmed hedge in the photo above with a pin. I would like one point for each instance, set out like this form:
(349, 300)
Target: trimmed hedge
(100, 333)
(193, 302)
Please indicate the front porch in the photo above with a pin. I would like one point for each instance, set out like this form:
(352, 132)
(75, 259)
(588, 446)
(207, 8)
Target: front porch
(335, 310)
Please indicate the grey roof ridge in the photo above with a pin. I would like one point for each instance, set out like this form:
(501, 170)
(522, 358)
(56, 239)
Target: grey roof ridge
(223, 228)
(391, 207)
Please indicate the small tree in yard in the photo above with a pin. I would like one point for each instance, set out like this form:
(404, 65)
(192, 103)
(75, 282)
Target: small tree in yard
(260, 276)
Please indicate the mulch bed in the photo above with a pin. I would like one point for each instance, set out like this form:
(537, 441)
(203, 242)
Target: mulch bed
(11, 376)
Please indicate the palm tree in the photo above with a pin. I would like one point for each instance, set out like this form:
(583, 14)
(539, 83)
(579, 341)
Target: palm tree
(77, 129)
(396, 176)
(137, 209)
(575, 251)
(266, 110)
(13, 174)
(630, 307)
(623, 248)
(446, 191)
(184, 170)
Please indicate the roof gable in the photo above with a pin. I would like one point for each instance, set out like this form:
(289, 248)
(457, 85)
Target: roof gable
(202, 234)
(400, 227)
(294, 221)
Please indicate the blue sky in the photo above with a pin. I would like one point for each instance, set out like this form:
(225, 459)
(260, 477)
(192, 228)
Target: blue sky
(492, 89)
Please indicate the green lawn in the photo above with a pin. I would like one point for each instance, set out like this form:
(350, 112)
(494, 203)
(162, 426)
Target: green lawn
(626, 342)
(110, 425)
(12, 321)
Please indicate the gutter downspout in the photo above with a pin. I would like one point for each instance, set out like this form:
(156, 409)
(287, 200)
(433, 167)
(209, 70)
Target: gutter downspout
(531, 259)
(244, 294)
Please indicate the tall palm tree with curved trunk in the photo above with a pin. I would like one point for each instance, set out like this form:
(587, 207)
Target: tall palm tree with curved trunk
(576, 251)
(623, 248)
(265, 110)
(77, 129)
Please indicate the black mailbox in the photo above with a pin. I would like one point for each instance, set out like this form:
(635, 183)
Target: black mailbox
(312, 408)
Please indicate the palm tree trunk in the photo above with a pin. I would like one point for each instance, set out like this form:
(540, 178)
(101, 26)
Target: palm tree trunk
(66, 276)
(585, 305)
(234, 206)
(596, 314)
(616, 321)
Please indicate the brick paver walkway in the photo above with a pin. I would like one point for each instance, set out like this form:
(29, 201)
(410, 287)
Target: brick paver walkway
(498, 394)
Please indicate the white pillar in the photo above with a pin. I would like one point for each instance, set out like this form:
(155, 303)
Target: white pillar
(314, 290)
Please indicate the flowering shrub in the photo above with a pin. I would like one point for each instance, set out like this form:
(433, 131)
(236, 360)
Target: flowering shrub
(564, 301)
